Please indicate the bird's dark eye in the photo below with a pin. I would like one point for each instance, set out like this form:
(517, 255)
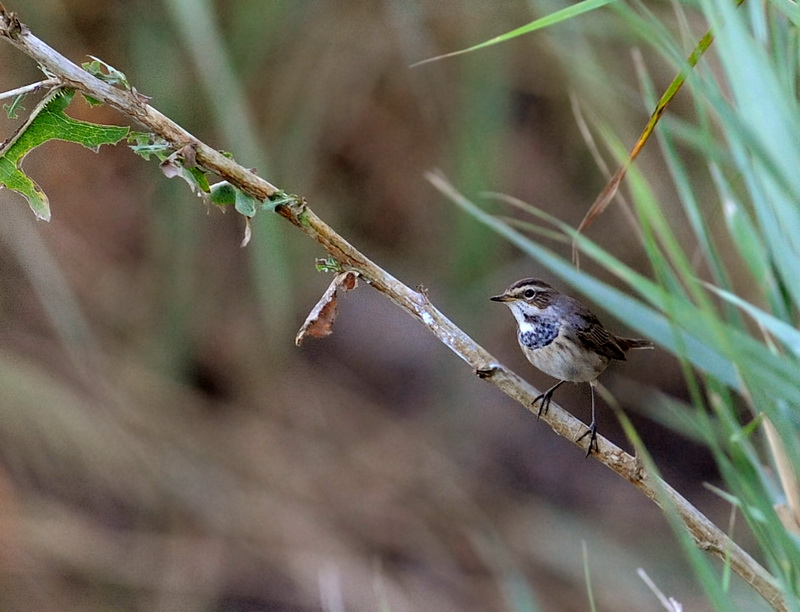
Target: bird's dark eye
(528, 294)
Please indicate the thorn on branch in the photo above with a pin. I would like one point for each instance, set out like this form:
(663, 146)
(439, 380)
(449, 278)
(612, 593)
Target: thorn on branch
(422, 292)
(488, 370)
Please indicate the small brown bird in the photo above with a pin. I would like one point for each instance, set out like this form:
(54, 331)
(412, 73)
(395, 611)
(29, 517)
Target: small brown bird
(564, 339)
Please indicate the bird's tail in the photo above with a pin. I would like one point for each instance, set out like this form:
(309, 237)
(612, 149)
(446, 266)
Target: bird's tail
(634, 343)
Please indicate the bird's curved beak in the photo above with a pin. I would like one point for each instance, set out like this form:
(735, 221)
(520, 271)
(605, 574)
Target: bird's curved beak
(503, 297)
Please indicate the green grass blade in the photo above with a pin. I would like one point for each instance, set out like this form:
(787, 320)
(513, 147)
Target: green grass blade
(569, 12)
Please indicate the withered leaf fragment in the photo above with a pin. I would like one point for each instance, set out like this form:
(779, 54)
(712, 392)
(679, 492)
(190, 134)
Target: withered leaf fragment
(320, 320)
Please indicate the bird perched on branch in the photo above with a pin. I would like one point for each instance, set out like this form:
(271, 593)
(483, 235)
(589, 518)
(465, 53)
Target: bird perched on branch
(564, 339)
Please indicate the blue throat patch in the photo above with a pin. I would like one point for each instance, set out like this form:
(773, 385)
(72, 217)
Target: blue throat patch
(545, 330)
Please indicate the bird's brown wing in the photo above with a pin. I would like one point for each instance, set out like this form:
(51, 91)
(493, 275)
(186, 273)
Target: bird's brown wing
(595, 337)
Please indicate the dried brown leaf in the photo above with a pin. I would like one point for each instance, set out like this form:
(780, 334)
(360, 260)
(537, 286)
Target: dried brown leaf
(349, 280)
(319, 322)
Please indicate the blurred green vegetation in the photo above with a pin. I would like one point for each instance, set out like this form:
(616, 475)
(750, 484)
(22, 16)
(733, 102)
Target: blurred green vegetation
(165, 445)
(733, 327)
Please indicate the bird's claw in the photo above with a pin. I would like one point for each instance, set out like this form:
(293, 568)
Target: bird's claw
(592, 433)
(544, 406)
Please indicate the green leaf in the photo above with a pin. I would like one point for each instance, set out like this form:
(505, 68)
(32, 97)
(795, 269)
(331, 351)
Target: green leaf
(245, 205)
(48, 121)
(223, 194)
(328, 264)
(146, 145)
(200, 179)
(106, 72)
(16, 105)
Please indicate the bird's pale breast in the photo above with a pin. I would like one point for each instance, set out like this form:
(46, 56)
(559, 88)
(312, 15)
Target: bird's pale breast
(559, 356)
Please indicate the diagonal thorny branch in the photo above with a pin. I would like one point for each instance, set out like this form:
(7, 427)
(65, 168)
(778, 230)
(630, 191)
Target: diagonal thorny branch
(414, 302)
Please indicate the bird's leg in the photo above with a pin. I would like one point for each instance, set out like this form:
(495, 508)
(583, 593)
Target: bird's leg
(545, 398)
(592, 431)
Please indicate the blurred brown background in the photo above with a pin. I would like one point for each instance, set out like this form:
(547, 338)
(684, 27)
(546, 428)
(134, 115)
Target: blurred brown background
(164, 445)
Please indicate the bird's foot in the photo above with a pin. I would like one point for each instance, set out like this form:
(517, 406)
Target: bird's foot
(592, 433)
(544, 406)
